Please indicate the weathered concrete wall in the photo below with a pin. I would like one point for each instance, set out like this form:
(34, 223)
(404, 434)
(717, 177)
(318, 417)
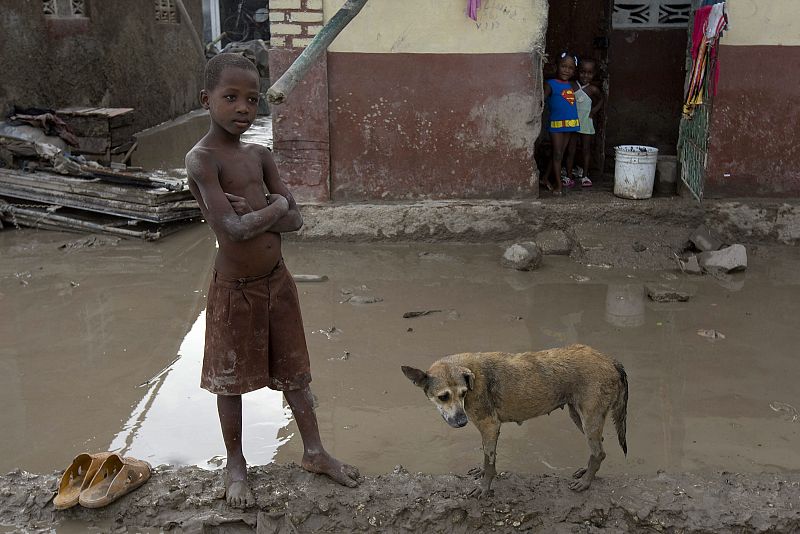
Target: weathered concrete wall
(422, 101)
(754, 139)
(118, 56)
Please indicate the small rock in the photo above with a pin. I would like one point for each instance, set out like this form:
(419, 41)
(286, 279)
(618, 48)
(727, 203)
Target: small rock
(728, 259)
(710, 333)
(364, 299)
(638, 246)
(522, 256)
(690, 265)
(420, 313)
(555, 242)
(665, 293)
(310, 278)
(703, 240)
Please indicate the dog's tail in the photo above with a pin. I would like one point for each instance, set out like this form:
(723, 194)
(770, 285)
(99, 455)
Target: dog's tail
(620, 410)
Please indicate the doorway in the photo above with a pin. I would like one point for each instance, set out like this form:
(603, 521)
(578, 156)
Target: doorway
(640, 47)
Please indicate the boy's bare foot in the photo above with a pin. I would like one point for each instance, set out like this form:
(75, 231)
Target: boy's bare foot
(237, 490)
(325, 464)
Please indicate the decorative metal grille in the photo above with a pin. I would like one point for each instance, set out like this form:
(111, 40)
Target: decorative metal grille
(651, 13)
(166, 12)
(49, 7)
(79, 8)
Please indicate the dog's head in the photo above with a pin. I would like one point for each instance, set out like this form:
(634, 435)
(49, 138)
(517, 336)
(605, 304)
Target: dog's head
(445, 385)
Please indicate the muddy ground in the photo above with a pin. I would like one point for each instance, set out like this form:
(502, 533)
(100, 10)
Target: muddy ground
(101, 339)
(289, 500)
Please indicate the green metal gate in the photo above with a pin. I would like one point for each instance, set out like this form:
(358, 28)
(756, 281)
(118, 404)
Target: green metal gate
(693, 148)
(693, 134)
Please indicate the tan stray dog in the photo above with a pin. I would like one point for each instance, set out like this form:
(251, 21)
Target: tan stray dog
(495, 387)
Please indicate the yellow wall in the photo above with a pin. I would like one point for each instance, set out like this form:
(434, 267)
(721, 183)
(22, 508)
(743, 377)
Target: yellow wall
(442, 26)
(763, 22)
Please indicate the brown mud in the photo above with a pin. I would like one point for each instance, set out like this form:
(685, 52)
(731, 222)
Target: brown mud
(101, 339)
(290, 500)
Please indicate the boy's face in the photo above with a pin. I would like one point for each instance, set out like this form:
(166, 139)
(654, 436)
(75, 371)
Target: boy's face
(566, 68)
(234, 101)
(586, 73)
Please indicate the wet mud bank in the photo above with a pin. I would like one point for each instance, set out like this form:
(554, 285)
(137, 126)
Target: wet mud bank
(747, 220)
(289, 500)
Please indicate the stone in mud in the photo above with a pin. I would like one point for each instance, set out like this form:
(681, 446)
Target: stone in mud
(554, 242)
(665, 293)
(691, 265)
(522, 256)
(726, 260)
(704, 240)
(364, 299)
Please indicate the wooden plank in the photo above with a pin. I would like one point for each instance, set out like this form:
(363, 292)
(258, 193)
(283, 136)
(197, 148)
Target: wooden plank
(88, 126)
(158, 214)
(94, 145)
(94, 187)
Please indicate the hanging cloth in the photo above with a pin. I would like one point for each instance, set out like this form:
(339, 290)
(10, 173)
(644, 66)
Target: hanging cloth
(472, 9)
(709, 22)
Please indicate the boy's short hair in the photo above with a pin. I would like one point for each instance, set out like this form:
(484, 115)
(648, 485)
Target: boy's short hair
(217, 64)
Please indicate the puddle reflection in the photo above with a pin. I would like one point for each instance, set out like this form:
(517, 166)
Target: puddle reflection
(176, 422)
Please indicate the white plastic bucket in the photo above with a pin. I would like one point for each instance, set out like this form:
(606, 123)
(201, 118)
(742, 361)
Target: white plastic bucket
(634, 171)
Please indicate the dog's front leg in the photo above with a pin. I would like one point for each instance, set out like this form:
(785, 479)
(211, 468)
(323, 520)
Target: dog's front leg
(490, 431)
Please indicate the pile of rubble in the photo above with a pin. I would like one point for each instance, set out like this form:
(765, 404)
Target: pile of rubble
(71, 181)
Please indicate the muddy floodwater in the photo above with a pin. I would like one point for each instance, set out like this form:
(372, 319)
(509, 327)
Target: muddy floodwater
(101, 343)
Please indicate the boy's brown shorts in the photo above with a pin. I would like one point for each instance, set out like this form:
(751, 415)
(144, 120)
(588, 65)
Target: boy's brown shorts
(254, 335)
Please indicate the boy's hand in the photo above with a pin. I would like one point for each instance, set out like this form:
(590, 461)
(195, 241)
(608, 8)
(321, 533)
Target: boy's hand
(239, 204)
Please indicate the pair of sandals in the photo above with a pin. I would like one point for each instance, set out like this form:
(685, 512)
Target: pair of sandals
(566, 181)
(95, 480)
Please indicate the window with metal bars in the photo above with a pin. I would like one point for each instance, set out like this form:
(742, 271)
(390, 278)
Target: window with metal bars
(651, 13)
(65, 8)
(166, 13)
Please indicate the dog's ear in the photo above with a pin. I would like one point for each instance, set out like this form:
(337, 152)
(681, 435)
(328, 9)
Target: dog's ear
(469, 378)
(418, 376)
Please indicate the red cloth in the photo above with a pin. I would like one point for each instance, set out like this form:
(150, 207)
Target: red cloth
(700, 22)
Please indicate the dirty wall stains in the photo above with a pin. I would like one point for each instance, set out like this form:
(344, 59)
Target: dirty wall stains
(432, 125)
(753, 143)
(441, 26)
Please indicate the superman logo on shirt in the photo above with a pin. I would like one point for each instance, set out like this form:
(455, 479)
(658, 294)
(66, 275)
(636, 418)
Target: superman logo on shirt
(569, 96)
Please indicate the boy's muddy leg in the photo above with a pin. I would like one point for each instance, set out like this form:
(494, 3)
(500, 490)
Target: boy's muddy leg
(315, 458)
(237, 490)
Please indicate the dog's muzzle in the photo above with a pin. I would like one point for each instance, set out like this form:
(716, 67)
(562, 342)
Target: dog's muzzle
(459, 421)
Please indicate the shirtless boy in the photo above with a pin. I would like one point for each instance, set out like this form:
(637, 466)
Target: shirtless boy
(254, 331)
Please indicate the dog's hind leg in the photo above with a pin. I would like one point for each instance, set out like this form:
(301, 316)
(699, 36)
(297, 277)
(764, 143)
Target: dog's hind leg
(593, 428)
(573, 413)
(490, 432)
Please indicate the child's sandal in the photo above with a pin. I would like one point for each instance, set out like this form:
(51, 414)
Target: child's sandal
(586, 182)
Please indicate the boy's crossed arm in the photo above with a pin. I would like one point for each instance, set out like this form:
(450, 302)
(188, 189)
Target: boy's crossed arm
(292, 220)
(219, 212)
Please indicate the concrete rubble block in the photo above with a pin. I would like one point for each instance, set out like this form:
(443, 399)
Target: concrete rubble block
(704, 240)
(554, 242)
(728, 259)
(522, 256)
(666, 293)
(691, 266)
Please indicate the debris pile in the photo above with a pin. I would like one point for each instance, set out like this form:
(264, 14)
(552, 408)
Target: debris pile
(44, 184)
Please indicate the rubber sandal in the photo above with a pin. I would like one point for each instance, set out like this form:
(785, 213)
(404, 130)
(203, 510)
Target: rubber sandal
(77, 477)
(117, 476)
(568, 182)
(586, 182)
